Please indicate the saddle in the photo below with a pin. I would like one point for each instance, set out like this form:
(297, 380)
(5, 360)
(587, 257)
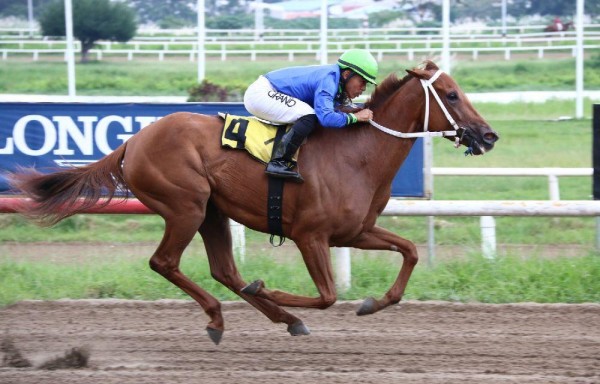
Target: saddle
(252, 134)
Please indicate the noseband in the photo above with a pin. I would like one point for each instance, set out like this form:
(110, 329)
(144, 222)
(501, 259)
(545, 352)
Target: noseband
(427, 86)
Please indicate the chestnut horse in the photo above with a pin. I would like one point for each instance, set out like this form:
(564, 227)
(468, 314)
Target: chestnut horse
(177, 168)
(554, 27)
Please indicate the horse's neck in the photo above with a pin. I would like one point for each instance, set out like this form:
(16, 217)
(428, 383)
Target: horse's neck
(378, 155)
(402, 112)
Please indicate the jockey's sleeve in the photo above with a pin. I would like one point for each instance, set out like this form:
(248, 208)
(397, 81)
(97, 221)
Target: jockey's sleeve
(324, 106)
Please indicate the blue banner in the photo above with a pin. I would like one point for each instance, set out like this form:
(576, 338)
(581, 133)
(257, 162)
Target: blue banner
(50, 135)
(410, 181)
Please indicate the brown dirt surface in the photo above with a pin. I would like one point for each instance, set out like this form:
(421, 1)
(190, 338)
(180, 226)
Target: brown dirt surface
(414, 342)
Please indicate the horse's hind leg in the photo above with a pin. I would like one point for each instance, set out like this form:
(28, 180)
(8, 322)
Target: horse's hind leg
(216, 234)
(180, 229)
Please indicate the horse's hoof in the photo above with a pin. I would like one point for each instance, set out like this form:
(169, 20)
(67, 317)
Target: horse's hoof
(369, 306)
(298, 329)
(253, 288)
(214, 334)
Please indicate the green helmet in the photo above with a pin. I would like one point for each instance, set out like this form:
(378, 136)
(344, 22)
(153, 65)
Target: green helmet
(361, 62)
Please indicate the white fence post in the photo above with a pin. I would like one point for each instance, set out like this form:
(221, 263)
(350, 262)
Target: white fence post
(553, 187)
(342, 267)
(488, 236)
(238, 238)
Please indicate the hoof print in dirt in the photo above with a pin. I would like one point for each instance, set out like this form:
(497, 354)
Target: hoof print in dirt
(12, 356)
(75, 358)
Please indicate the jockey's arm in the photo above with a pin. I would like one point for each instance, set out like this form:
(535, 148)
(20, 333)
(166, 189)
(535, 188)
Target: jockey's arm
(362, 114)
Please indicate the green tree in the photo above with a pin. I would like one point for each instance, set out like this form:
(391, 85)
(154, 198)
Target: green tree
(12, 8)
(381, 19)
(93, 20)
(167, 13)
(311, 23)
(475, 10)
(562, 8)
(19, 8)
(233, 21)
(552, 8)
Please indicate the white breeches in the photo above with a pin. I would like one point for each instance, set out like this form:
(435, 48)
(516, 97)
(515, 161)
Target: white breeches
(266, 103)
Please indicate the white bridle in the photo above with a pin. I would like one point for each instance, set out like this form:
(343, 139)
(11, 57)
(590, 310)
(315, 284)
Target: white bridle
(427, 86)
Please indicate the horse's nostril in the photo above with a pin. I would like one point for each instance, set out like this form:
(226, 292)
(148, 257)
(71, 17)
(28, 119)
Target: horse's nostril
(490, 137)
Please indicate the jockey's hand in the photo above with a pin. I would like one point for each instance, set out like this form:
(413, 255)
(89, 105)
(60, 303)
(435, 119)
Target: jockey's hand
(364, 115)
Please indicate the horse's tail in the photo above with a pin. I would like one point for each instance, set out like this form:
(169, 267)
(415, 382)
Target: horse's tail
(61, 194)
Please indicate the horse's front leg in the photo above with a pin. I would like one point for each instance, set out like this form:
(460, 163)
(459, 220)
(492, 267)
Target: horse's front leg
(315, 253)
(381, 239)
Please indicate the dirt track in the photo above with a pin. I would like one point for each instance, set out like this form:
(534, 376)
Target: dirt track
(414, 342)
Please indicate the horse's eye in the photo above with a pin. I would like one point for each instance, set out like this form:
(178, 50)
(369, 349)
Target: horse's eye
(452, 96)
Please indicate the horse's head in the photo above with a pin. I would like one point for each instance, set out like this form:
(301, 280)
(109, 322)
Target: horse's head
(450, 110)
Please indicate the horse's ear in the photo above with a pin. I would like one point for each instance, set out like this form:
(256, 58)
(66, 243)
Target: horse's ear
(431, 66)
(423, 71)
(418, 73)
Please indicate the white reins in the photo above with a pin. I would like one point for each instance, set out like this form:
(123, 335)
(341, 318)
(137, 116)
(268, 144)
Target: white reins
(427, 86)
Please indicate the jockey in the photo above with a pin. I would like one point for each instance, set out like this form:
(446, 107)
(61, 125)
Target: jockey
(306, 96)
(558, 24)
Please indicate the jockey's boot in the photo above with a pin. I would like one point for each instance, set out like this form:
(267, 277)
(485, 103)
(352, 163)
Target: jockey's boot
(282, 162)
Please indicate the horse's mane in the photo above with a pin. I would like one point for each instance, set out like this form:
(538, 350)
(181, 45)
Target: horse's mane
(391, 84)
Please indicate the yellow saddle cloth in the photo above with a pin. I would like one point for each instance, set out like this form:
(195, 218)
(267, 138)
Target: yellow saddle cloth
(251, 134)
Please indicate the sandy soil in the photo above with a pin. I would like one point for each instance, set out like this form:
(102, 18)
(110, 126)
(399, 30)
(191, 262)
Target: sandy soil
(414, 342)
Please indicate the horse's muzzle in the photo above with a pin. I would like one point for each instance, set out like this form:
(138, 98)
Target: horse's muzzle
(480, 139)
